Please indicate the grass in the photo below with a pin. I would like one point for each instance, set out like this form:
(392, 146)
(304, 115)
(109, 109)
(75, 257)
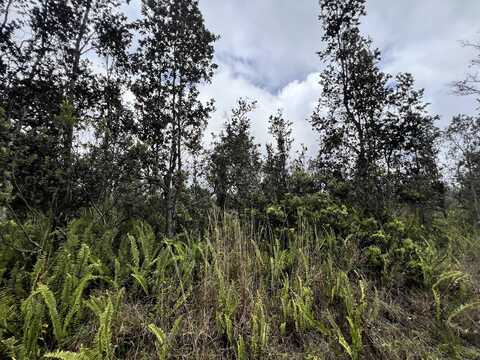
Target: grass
(239, 291)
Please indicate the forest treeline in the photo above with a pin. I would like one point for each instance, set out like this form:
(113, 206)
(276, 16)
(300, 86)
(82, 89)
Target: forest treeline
(71, 138)
(124, 235)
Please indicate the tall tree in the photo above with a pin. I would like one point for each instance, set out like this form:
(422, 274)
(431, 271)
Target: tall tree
(354, 93)
(88, 26)
(371, 125)
(113, 124)
(174, 56)
(5, 167)
(52, 92)
(410, 148)
(276, 164)
(235, 161)
(463, 137)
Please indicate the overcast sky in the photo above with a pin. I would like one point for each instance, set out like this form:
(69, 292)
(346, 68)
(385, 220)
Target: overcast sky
(267, 52)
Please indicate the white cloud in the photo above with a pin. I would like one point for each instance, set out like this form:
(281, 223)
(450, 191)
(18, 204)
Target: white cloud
(268, 45)
(297, 99)
(267, 52)
(423, 37)
(275, 41)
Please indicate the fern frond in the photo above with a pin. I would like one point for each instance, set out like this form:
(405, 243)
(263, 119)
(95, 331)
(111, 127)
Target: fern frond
(448, 276)
(134, 252)
(77, 299)
(103, 339)
(33, 312)
(161, 341)
(141, 281)
(460, 310)
(51, 303)
(67, 355)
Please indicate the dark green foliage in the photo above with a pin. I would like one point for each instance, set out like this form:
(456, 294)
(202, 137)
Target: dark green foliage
(5, 156)
(463, 136)
(50, 93)
(276, 166)
(235, 161)
(375, 132)
(174, 56)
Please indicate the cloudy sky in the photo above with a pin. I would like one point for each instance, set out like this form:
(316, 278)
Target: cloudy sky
(267, 52)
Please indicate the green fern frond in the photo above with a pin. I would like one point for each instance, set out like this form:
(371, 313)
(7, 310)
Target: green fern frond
(161, 341)
(134, 252)
(84, 354)
(38, 269)
(75, 306)
(51, 303)
(103, 339)
(448, 276)
(33, 312)
(141, 281)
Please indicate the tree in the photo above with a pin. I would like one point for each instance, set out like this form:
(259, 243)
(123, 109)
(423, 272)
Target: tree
(354, 93)
(410, 148)
(470, 86)
(235, 161)
(114, 123)
(463, 137)
(174, 55)
(5, 156)
(373, 128)
(52, 93)
(275, 167)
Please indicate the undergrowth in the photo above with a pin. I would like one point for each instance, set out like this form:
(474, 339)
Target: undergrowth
(330, 285)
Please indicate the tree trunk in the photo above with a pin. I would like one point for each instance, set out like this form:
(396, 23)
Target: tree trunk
(476, 204)
(73, 79)
(170, 188)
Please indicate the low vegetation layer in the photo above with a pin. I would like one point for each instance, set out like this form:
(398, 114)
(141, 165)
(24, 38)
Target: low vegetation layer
(330, 285)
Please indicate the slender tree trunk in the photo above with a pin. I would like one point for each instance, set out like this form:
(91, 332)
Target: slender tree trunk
(170, 188)
(476, 204)
(73, 80)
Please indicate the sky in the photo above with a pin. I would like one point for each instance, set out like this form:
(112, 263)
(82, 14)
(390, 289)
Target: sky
(267, 52)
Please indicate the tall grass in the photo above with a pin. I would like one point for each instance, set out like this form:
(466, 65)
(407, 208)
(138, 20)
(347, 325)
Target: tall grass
(243, 290)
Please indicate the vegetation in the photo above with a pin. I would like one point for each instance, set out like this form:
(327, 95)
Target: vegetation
(122, 236)
(336, 285)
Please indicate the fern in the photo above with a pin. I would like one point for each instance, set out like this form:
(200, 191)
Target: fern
(75, 306)
(9, 347)
(117, 274)
(460, 310)
(141, 281)
(7, 312)
(103, 340)
(228, 302)
(104, 309)
(341, 339)
(134, 252)
(259, 328)
(241, 349)
(38, 271)
(163, 341)
(33, 312)
(297, 308)
(51, 303)
(84, 354)
(451, 277)
(355, 312)
(146, 238)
